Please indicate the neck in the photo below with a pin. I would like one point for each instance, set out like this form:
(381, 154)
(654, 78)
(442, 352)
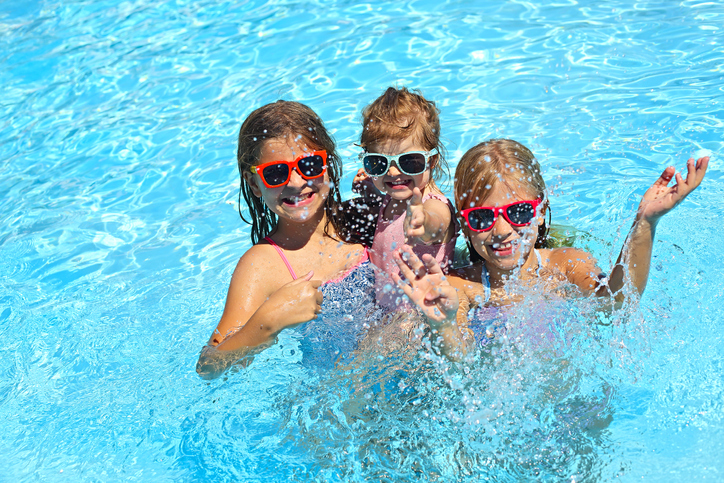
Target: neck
(293, 236)
(498, 277)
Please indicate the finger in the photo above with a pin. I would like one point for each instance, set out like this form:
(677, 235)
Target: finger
(406, 288)
(690, 172)
(320, 297)
(404, 269)
(665, 177)
(431, 265)
(416, 197)
(307, 277)
(700, 169)
(414, 262)
(681, 184)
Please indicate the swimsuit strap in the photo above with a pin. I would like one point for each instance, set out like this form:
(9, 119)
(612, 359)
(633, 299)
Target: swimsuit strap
(540, 262)
(486, 277)
(281, 254)
(486, 283)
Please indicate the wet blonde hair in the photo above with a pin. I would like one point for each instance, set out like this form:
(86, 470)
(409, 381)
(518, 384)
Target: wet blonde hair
(499, 161)
(398, 114)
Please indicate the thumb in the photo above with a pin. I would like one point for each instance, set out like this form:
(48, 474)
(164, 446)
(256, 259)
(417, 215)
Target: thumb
(308, 276)
(416, 198)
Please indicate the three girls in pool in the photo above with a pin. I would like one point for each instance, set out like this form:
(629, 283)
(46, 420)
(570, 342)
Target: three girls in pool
(290, 175)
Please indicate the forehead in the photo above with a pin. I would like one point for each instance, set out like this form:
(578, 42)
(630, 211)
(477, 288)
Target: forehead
(284, 149)
(500, 193)
(396, 146)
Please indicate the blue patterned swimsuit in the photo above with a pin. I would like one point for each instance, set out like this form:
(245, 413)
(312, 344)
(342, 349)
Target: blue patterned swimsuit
(486, 322)
(348, 310)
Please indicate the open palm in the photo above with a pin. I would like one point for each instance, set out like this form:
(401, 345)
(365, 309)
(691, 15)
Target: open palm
(426, 286)
(661, 198)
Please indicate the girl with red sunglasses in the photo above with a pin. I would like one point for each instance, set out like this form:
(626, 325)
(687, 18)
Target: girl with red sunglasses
(502, 200)
(300, 266)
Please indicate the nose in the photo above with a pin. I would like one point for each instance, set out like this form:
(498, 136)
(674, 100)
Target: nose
(296, 180)
(394, 170)
(501, 228)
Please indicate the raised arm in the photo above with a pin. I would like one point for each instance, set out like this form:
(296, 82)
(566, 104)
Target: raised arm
(257, 309)
(658, 200)
(427, 222)
(427, 287)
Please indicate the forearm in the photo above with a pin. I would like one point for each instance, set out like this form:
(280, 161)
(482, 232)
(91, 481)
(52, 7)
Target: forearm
(252, 337)
(450, 338)
(635, 257)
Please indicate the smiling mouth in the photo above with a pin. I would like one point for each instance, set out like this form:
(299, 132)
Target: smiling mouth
(299, 199)
(398, 184)
(504, 248)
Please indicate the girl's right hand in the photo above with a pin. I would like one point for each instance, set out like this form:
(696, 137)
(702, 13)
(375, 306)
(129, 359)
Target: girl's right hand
(427, 287)
(297, 302)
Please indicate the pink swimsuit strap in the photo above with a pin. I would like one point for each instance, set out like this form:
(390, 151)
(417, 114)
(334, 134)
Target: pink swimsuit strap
(284, 259)
(362, 259)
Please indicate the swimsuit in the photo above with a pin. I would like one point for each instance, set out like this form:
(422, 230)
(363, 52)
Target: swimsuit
(390, 236)
(485, 321)
(348, 310)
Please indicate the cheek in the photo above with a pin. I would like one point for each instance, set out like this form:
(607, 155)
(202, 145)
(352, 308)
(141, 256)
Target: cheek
(379, 183)
(421, 180)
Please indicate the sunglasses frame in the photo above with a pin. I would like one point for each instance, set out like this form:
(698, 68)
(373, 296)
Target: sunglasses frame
(500, 210)
(293, 165)
(394, 159)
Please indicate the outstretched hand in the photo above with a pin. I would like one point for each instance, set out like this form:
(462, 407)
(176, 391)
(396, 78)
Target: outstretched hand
(414, 225)
(661, 198)
(426, 286)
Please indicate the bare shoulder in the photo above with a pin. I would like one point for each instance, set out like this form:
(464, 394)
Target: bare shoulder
(467, 279)
(258, 270)
(578, 266)
(566, 257)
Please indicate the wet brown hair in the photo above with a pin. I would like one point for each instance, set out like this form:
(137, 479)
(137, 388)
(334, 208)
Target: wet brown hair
(399, 113)
(499, 161)
(280, 120)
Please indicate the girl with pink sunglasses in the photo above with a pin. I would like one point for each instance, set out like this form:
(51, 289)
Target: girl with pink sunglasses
(501, 198)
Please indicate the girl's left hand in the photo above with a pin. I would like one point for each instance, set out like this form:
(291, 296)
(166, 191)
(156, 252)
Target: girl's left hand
(427, 287)
(662, 198)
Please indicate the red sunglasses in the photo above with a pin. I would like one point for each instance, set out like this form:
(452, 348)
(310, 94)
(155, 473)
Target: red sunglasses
(277, 173)
(518, 213)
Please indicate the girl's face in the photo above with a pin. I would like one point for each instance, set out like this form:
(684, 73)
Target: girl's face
(396, 183)
(505, 246)
(299, 200)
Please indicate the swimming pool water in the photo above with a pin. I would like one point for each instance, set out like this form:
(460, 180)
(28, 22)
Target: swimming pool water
(118, 125)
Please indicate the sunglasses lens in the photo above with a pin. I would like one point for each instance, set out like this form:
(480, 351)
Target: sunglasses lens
(375, 165)
(481, 219)
(276, 174)
(521, 213)
(311, 166)
(413, 163)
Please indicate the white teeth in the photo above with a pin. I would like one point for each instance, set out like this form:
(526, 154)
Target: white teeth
(502, 246)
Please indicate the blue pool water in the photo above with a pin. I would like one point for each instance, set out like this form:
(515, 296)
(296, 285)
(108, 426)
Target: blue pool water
(120, 232)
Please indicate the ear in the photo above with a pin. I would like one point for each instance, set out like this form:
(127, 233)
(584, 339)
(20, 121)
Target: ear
(542, 216)
(252, 181)
(433, 160)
